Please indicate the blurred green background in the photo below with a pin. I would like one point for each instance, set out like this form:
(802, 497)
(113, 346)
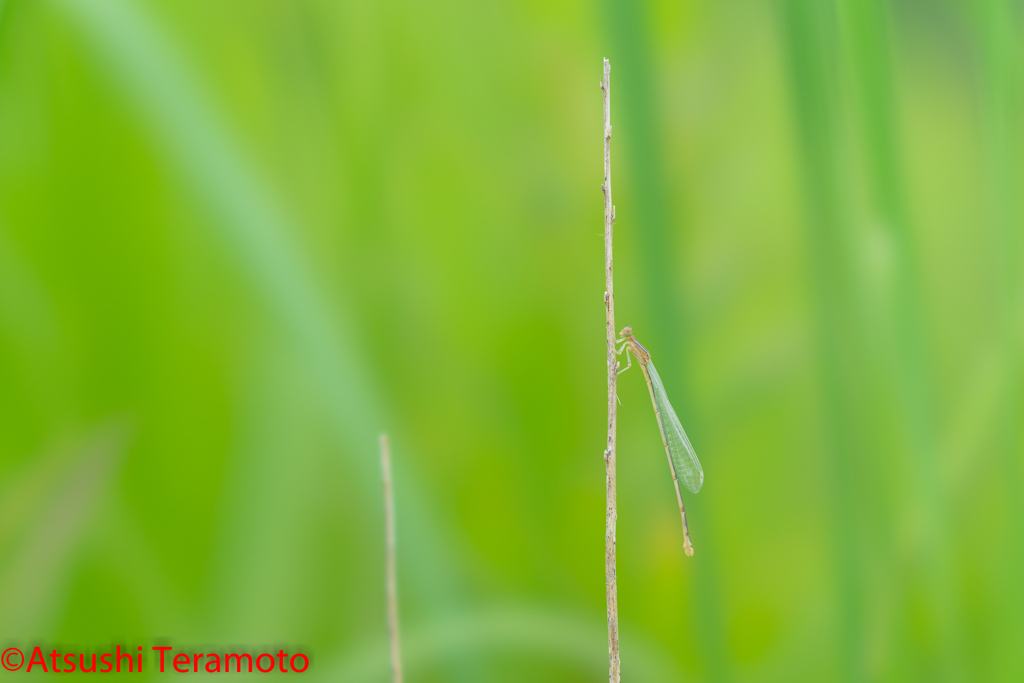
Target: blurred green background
(240, 238)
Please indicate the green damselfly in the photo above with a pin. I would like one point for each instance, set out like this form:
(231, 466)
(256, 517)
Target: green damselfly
(682, 460)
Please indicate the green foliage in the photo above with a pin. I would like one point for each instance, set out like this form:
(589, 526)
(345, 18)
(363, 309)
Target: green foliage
(238, 239)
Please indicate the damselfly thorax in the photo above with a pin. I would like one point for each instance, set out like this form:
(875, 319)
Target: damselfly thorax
(637, 349)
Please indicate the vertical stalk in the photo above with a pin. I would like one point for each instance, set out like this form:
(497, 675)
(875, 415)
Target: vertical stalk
(611, 591)
(389, 563)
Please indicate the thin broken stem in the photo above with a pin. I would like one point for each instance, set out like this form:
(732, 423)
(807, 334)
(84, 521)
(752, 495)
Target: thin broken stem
(611, 515)
(389, 564)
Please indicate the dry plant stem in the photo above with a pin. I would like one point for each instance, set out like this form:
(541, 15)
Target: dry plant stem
(611, 590)
(389, 568)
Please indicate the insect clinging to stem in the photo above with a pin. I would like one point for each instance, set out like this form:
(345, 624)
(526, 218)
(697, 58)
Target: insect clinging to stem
(682, 459)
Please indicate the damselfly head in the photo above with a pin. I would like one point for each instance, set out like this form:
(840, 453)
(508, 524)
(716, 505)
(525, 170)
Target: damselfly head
(626, 333)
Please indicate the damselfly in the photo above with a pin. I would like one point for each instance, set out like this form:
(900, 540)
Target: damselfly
(682, 461)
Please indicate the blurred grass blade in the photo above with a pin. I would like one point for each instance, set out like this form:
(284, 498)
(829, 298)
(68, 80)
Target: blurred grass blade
(1000, 76)
(503, 630)
(866, 29)
(255, 230)
(44, 515)
(808, 28)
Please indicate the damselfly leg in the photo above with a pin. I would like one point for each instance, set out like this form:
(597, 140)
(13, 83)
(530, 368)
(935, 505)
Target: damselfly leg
(629, 358)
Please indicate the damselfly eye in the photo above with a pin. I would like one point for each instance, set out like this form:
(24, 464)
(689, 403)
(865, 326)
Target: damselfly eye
(626, 332)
